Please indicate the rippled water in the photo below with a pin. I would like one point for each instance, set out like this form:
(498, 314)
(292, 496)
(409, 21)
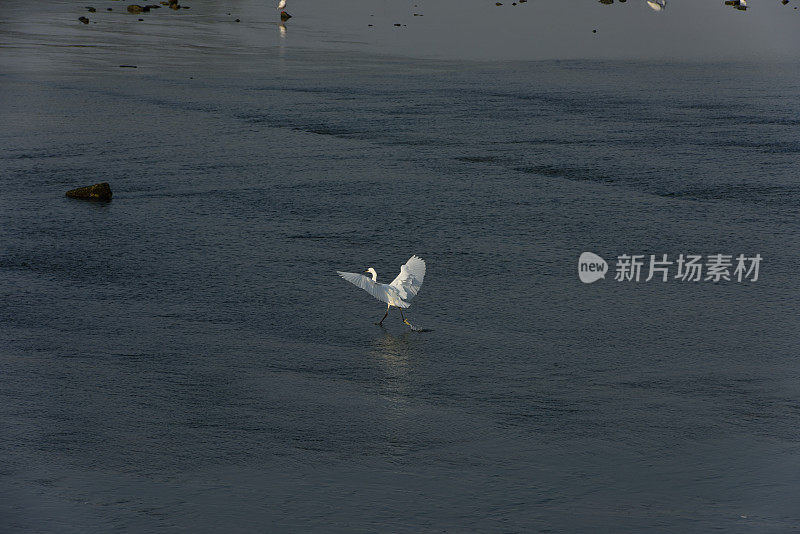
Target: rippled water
(185, 357)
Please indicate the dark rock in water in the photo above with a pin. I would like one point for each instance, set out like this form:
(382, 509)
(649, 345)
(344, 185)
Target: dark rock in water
(84, 20)
(141, 20)
(146, 9)
(607, 2)
(90, 9)
(100, 191)
(109, 9)
(285, 16)
(237, 20)
(127, 66)
(135, 8)
(185, 7)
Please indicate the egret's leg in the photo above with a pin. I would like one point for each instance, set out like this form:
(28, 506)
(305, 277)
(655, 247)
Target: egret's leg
(380, 323)
(404, 318)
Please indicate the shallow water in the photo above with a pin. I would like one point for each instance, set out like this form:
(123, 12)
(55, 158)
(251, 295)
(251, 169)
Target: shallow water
(185, 357)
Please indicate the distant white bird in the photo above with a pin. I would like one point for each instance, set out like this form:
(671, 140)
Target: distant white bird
(657, 5)
(281, 5)
(399, 292)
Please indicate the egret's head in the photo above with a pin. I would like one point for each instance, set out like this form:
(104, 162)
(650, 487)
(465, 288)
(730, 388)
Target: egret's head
(373, 273)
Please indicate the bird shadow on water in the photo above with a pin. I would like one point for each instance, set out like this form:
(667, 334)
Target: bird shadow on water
(412, 328)
(419, 329)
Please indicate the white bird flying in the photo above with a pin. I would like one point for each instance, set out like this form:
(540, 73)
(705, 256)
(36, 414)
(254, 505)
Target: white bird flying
(399, 292)
(281, 5)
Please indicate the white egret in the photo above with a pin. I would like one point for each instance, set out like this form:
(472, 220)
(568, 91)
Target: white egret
(399, 292)
(657, 5)
(281, 5)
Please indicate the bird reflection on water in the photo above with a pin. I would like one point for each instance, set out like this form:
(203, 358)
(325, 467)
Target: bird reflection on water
(394, 355)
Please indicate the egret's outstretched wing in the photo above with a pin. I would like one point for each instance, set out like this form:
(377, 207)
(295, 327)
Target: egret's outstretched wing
(410, 278)
(364, 282)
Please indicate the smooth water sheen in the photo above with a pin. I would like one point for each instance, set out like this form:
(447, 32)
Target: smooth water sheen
(185, 358)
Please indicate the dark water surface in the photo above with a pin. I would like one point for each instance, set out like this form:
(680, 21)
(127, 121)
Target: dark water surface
(185, 358)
